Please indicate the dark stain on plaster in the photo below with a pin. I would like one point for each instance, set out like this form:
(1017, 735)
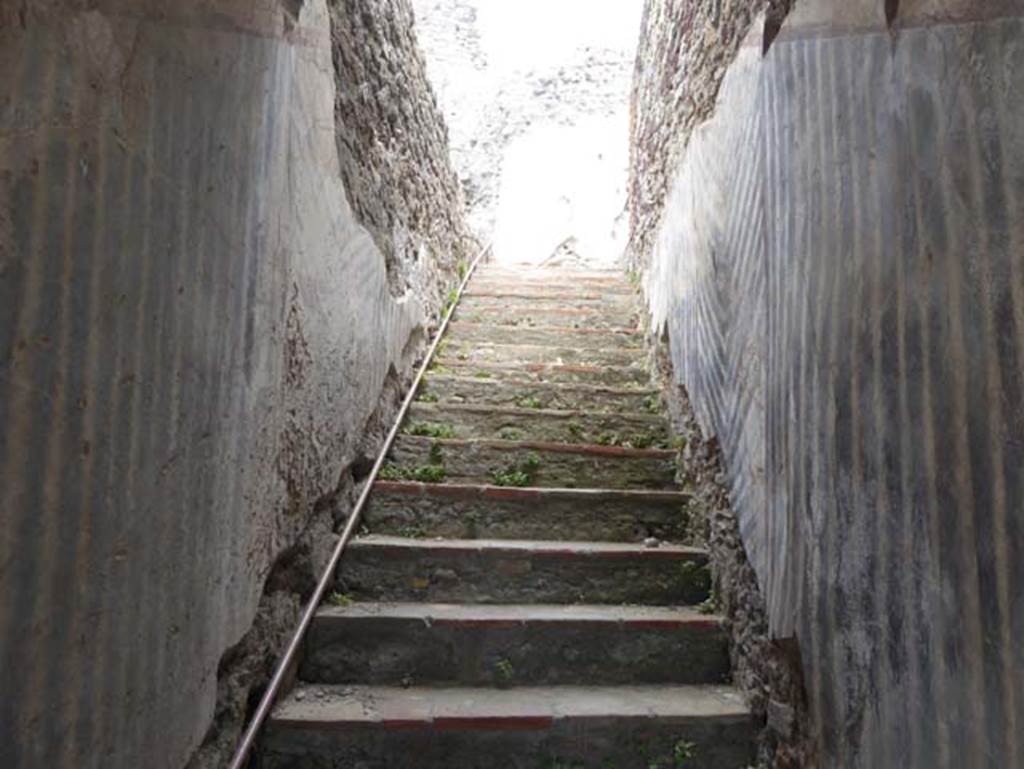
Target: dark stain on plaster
(892, 10)
(291, 10)
(775, 15)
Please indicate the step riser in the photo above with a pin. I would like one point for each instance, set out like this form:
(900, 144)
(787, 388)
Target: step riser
(512, 354)
(388, 651)
(527, 278)
(593, 743)
(541, 290)
(518, 424)
(474, 513)
(582, 338)
(384, 573)
(478, 463)
(587, 375)
(453, 389)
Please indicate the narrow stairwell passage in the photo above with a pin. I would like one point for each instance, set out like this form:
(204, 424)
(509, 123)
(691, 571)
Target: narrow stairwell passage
(518, 600)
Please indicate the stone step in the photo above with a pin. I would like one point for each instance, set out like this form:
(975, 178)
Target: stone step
(470, 511)
(558, 287)
(447, 388)
(383, 568)
(531, 463)
(551, 277)
(530, 422)
(461, 332)
(593, 727)
(512, 354)
(540, 289)
(520, 315)
(591, 301)
(514, 645)
(611, 376)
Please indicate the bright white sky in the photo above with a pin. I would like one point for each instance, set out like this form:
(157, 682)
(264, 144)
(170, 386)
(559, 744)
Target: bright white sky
(559, 181)
(531, 34)
(563, 168)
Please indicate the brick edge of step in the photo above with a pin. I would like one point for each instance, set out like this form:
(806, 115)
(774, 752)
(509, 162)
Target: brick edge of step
(655, 420)
(670, 552)
(579, 387)
(482, 491)
(587, 449)
(629, 333)
(626, 373)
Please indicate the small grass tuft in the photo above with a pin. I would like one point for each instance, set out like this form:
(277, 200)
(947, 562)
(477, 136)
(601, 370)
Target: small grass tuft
(511, 434)
(682, 753)
(529, 402)
(421, 473)
(505, 670)
(431, 430)
(340, 599)
(510, 477)
(428, 397)
(519, 474)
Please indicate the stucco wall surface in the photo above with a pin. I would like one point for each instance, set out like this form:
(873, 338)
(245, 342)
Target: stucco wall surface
(840, 269)
(194, 331)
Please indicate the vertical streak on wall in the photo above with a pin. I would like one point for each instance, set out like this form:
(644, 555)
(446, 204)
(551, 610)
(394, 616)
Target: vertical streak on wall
(851, 330)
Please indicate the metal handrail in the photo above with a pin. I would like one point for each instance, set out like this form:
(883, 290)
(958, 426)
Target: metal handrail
(270, 695)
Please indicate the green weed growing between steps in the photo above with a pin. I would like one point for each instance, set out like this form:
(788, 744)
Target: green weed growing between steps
(431, 430)
(421, 473)
(529, 402)
(519, 474)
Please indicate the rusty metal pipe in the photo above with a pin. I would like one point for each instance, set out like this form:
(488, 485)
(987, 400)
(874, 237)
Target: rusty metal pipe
(270, 695)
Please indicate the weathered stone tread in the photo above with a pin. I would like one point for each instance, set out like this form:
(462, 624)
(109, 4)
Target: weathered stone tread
(587, 338)
(628, 727)
(494, 352)
(623, 376)
(561, 465)
(465, 511)
(552, 395)
(527, 316)
(388, 568)
(505, 645)
(470, 420)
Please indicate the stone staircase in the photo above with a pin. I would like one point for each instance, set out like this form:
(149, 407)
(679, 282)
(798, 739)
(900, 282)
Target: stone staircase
(519, 601)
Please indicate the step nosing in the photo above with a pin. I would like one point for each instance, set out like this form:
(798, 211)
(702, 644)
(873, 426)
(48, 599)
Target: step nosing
(534, 366)
(551, 446)
(568, 387)
(456, 490)
(474, 408)
(568, 615)
(554, 547)
(546, 329)
(324, 705)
